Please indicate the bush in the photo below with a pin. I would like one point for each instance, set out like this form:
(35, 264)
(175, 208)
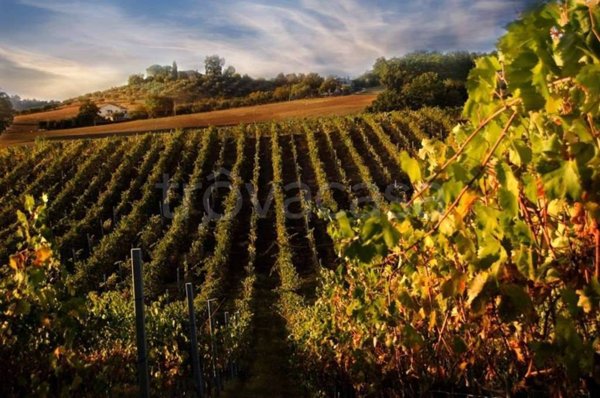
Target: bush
(138, 113)
(159, 106)
(183, 109)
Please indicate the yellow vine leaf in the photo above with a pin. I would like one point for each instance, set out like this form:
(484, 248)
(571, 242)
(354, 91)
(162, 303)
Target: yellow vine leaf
(466, 203)
(14, 262)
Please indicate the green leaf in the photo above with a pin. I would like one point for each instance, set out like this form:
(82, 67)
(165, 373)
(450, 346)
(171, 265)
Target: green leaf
(466, 247)
(570, 299)
(508, 202)
(412, 338)
(344, 226)
(370, 229)
(477, 286)
(22, 218)
(543, 352)
(521, 153)
(391, 236)
(365, 253)
(530, 188)
(410, 166)
(488, 253)
(487, 217)
(563, 182)
(589, 77)
(524, 262)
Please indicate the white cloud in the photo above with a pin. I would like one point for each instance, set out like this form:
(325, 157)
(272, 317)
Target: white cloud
(86, 46)
(40, 75)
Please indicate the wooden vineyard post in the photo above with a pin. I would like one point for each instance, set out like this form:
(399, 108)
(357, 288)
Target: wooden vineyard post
(162, 212)
(138, 299)
(196, 369)
(89, 242)
(229, 363)
(213, 346)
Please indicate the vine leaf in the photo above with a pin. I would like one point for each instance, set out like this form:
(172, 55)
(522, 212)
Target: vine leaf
(477, 286)
(564, 181)
(589, 76)
(410, 166)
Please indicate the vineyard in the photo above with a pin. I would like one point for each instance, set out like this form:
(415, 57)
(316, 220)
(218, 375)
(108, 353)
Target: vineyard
(232, 211)
(413, 253)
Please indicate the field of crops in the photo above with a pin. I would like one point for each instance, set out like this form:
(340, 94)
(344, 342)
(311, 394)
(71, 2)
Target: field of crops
(375, 255)
(233, 211)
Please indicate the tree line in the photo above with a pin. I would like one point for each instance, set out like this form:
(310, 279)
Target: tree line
(422, 79)
(415, 80)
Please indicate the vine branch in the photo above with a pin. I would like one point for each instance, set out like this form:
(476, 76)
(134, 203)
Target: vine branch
(459, 152)
(485, 162)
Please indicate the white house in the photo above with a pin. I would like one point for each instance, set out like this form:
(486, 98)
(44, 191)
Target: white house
(113, 112)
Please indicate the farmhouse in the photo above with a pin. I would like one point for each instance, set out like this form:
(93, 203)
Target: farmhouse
(113, 112)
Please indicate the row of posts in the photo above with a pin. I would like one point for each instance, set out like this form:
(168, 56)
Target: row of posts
(142, 358)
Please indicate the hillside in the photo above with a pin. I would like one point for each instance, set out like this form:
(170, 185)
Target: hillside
(25, 126)
(103, 200)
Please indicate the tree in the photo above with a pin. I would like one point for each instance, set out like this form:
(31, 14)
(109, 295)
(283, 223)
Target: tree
(88, 112)
(6, 111)
(174, 71)
(282, 93)
(422, 79)
(135, 80)
(229, 71)
(158, 71)
(300, 90)
(329, 86)
(280, 80)
(424, 90)
(159, 106)
(213, 65)
(314, 81)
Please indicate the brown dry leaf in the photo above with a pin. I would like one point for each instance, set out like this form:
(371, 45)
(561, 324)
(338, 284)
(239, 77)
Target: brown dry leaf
(42, 255)
(17, 261)
(517, 349)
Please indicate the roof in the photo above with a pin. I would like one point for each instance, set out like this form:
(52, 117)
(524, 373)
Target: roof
(111, 104)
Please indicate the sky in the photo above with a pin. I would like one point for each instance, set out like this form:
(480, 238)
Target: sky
(58, 49)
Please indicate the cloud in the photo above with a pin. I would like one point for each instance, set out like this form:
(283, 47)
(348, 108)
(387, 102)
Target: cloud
(84, 46)
(40, 76)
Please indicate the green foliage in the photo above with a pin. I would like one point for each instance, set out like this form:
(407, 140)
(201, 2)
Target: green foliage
(220, 87)
(489, 275)
(135, 80)
(55, 343)
(104, 200)
(88, 113)
(158, 106)
(40, 318)
(6, 111)
(213, 66)
(422, 79)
